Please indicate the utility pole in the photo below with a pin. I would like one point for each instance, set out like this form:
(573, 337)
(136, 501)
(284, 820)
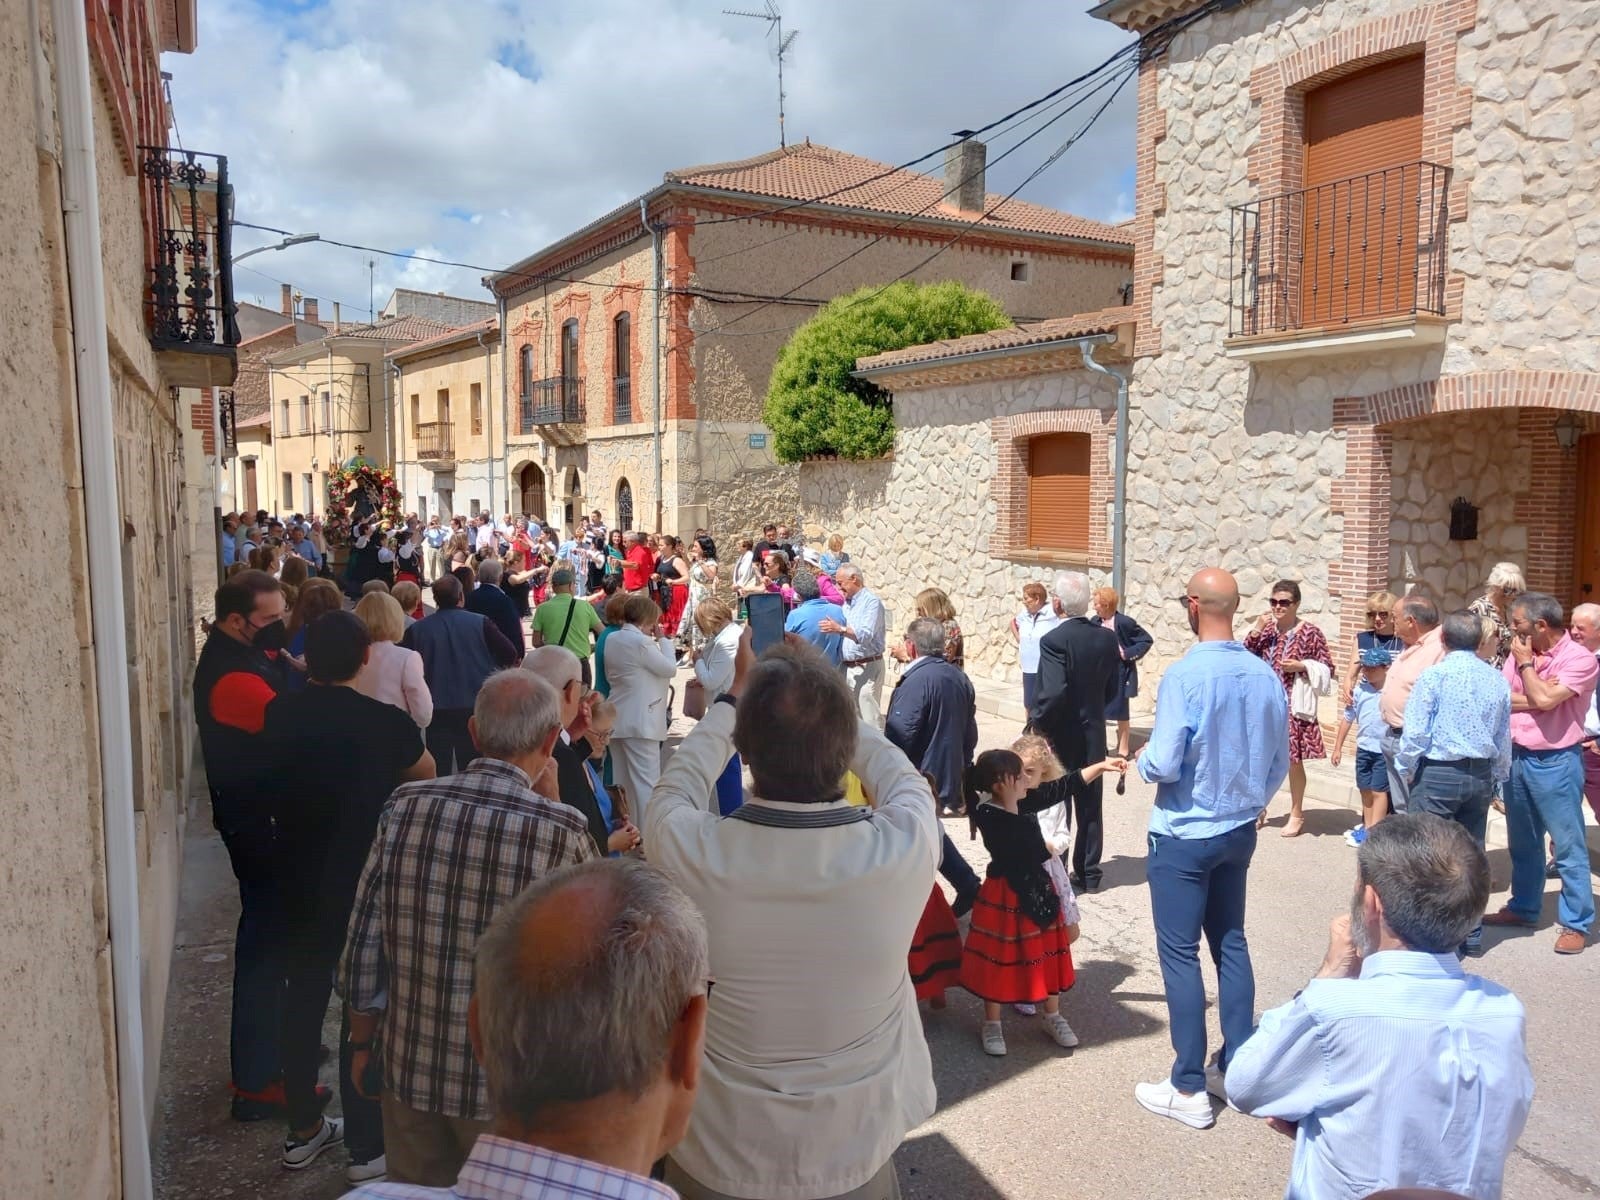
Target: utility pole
(372, 278)
(774, 20)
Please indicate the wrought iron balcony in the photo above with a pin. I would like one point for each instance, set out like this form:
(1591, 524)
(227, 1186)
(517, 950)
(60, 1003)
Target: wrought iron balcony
(554, 401)
(188, 208)
(436, 442)
(1359, 251)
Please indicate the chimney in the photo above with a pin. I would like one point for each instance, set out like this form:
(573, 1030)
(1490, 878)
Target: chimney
(286, 304)
(310, 309)
(963, 175)
(336, 321)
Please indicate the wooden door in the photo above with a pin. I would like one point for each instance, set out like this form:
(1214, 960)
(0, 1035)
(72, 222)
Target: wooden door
(531, 481)
(1359, 216)
(1586, 559)
(250, 485)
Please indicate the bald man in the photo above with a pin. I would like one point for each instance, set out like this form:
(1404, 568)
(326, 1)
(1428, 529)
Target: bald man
(1219, 750)
(589, 1020)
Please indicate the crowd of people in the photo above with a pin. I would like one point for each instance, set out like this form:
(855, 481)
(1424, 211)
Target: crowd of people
(466, 819)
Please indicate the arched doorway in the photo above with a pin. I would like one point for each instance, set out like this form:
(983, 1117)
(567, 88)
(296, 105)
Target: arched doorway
(530, 480)
(574, 501)
(624, 505)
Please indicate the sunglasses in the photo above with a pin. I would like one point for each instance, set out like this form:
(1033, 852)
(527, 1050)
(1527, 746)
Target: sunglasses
(1186, 600)
(1276, 603)
(1377, 615)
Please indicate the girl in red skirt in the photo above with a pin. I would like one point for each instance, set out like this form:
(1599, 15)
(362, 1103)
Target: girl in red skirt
(935, 958)
(1018, 948)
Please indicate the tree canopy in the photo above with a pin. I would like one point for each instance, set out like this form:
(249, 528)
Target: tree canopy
(815, 407)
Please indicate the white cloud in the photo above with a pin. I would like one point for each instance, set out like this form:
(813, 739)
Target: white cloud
(480, 130)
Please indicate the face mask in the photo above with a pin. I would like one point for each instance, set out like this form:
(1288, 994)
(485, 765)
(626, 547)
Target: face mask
(273, 636)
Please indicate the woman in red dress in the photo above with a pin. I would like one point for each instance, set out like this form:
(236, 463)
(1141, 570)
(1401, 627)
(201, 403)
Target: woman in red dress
(673, 568)
(1286, 643)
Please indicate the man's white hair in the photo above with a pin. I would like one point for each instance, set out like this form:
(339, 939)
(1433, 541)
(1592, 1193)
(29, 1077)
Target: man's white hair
(556, 665)
(1073, 591)
(1590, 613)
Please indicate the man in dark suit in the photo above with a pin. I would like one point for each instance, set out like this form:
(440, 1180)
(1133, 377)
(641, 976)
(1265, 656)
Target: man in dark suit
(559, 667)
(1080, 672)
(933, 718)
(488, 600)
(459, 651)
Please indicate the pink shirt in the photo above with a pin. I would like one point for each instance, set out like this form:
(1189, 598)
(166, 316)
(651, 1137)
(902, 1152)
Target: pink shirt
(1568, 663)
(1402, 677)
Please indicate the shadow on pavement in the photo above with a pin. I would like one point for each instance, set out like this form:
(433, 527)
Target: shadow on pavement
(930, 1167)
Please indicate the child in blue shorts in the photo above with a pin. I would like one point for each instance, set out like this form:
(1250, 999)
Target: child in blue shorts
(1372, 777)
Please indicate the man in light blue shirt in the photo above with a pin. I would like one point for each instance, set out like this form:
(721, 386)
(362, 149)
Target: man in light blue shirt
(230, 548)
(807, 617)
(304, 547)
(1393, 1068)
(1219, 750)
(864, 646)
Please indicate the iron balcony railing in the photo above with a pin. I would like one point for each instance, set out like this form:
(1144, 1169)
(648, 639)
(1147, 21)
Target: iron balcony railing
(436, 442)
(622, 402)
(554, 401)
(189, 203)
(1358, 249)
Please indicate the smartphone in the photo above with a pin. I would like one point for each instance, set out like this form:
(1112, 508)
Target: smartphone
(766, 620)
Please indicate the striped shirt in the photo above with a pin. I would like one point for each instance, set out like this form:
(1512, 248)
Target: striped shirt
(500, 1169)
(1414, 1075)
(449, 853)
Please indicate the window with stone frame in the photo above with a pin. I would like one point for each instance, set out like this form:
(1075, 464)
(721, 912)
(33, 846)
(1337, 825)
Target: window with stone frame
(477, 409)
(1058, 492)
(622, 369)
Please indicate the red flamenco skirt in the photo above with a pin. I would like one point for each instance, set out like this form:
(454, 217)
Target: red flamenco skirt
(1008, 959)
(935, 958)
(674, 614)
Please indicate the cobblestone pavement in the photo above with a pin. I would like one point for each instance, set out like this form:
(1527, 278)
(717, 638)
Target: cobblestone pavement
(1039, 1124)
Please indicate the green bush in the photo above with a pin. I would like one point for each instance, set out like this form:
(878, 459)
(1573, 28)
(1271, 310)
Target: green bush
(815, 407)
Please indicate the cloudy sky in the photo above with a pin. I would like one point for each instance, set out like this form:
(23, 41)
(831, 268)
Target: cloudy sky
(481, 130)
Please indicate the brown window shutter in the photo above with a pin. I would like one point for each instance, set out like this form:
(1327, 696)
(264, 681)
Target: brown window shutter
(1058, 492)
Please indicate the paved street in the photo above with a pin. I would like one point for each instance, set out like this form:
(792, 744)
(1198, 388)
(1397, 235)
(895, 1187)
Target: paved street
(1040, 1124)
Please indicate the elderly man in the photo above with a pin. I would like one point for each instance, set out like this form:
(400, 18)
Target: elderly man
(303, 547)
(1392, 1067)
(459, 649)
(638, 562)
(1219, 750)
(816, 1066)
(568, 1049)
(863, 649)
(1080, 672)
(448, 854)
(933, 713)
(1586, 630)
(489, 600)
(811, 612)
(1552, 678)
(1416, 623)
(433, 540)
(1456, 747)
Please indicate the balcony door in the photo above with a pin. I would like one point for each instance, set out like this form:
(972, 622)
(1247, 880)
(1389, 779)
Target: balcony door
(530, 480)
(1363, 178)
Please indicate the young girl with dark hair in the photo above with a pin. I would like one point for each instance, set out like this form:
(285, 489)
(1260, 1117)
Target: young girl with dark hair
(1018, 948)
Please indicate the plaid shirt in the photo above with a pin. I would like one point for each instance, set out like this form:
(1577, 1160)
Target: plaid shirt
(449, 853)
(499, 1169)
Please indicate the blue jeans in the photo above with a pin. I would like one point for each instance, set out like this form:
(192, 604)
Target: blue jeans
(1545, 795)
(956, 869)
(1030, 692)
(257, 965)
(1198, 885)
(1458, 790)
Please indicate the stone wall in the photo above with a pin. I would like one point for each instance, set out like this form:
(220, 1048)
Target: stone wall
(925, 517)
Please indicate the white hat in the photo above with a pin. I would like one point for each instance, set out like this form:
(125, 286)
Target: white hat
(812, 556)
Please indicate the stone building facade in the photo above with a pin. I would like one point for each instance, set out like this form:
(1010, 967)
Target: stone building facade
(94, 702)
(1290, 423)
(748, 250)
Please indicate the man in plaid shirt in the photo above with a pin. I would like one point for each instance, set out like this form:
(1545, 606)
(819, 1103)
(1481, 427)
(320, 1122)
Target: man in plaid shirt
(449, 853)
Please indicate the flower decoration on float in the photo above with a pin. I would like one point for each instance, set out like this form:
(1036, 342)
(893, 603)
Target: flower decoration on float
(357, 491)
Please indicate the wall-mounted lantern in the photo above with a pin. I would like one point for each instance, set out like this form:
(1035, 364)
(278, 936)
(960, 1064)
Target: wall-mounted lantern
(1463, 520)
(1567, 430)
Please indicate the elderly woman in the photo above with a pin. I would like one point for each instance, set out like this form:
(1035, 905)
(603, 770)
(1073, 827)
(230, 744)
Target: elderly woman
(933, 602)
(602, 720)
(640, 665)
(409, 597)
(1504, 585)
(1379, 634)
(713, 667)
(393, 674)
(1134, 643)
(317, 598)
(1286, 643)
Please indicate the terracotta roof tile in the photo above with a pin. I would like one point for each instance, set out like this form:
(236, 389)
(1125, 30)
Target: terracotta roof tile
(463, 333)
(396, 329)
(1106, 320)
(812, 172)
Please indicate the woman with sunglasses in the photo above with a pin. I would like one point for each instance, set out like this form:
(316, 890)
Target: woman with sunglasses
(1286, 643)
(1379, 634)
(1505, 584)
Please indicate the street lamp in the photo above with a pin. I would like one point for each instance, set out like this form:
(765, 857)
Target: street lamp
(293, 240)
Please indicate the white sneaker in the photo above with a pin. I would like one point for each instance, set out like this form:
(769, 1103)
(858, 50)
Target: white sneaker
(300, 1154)
(366, 1172)
(1167, 1101)
(994, 1039)
(1056, 1026)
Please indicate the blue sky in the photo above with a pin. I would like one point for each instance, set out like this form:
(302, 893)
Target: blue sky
(480, 130)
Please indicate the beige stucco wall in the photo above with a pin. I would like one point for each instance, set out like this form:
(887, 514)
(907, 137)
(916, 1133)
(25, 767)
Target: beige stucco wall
(455, 370)
(355, 375)
(1232, 462)
(924, 517)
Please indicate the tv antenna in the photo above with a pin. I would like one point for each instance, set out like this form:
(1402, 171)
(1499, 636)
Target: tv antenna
(774, 20)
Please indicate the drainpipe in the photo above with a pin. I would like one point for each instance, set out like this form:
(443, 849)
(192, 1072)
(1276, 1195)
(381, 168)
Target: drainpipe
(655, 343)
(505, 409)
(488, 417)
(390, 399)
(86, 282)
(1119, 501)
(333, 402)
